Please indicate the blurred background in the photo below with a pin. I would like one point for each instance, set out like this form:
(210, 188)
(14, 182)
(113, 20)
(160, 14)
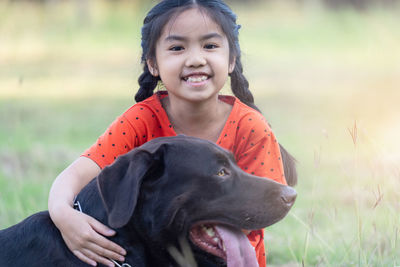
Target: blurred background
(326, 74)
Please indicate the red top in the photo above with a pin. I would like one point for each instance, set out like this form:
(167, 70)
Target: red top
(246, 134)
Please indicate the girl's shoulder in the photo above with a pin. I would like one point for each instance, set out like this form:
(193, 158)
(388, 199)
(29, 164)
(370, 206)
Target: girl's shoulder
(147, 110)
(246, 117)
(244, 127)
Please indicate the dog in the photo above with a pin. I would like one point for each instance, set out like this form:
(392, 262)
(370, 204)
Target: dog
(167, 188)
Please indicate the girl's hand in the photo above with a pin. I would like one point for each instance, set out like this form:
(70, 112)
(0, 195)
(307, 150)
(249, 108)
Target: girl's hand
(84, 236)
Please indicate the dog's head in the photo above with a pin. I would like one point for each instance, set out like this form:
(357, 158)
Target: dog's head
(192, 186)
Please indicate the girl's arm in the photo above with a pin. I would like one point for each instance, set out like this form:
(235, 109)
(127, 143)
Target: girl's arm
(83, 235)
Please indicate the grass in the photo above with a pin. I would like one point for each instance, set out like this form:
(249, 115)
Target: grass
(326, 81)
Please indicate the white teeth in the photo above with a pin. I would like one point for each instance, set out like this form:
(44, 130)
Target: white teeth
(209, 231)
(196, 79)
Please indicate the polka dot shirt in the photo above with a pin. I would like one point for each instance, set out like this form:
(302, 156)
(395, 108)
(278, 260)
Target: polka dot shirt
(246, 134)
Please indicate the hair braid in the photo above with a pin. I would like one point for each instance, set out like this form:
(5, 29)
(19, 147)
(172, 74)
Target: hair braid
(147, 83)
(240, 85)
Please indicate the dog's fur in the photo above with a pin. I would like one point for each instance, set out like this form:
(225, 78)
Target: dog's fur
(152, 195)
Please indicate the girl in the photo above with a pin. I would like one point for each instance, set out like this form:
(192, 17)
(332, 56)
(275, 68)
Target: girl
(190, 47)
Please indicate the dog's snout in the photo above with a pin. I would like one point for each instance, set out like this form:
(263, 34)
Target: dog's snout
(289, 195)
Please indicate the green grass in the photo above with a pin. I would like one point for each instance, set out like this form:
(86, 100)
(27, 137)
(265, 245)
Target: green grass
(313, 72)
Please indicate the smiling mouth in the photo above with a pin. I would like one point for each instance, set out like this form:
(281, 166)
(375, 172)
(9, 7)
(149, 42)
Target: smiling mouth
(196, 78)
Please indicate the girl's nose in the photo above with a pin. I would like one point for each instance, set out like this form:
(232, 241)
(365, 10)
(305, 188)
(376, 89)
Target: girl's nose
(195, 59)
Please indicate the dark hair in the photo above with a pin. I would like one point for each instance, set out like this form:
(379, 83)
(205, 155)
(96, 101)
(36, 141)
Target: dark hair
(153, 25)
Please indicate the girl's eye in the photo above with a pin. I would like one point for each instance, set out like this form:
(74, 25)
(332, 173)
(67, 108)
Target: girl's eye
(222, 172)
(176, 48)
(210, 46)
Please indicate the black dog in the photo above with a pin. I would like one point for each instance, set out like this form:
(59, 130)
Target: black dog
(169, 187)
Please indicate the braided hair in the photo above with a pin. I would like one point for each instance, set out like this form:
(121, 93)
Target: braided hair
(152, 28)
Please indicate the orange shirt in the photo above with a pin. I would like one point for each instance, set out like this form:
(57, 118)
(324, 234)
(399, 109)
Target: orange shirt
(246, 134)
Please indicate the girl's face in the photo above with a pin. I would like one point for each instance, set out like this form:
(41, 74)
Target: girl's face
(192, 57)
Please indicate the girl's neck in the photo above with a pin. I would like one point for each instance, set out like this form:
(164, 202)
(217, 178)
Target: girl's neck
(204, 120)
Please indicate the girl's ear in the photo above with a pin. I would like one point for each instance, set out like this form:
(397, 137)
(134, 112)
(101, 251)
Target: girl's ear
(152, 67)
(232, 65)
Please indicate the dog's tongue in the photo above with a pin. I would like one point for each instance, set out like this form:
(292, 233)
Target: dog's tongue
(239, 251)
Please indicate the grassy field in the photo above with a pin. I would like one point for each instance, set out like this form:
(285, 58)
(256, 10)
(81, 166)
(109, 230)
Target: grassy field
(328, 82)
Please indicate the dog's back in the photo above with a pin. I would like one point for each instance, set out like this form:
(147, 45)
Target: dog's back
(36, 236)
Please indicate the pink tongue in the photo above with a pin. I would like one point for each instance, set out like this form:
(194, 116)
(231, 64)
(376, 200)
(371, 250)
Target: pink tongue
(239, 251)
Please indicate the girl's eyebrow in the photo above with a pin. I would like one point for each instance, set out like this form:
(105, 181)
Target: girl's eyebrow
(171, 38)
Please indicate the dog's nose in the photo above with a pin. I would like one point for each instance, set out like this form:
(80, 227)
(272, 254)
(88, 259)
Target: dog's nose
(289, 195)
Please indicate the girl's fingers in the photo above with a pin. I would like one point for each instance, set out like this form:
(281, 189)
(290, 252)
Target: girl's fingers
(103, 242)
(88, 243)
(97, 258)
(101, 228)
(102, 252)
(83, 258)
(105, 247)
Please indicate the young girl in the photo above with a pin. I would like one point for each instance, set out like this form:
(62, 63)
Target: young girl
(190, 47)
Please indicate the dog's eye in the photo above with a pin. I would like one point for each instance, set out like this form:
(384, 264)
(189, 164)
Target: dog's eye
(221, 172)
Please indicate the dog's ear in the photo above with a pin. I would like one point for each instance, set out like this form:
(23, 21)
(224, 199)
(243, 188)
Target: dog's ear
(119, 184)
